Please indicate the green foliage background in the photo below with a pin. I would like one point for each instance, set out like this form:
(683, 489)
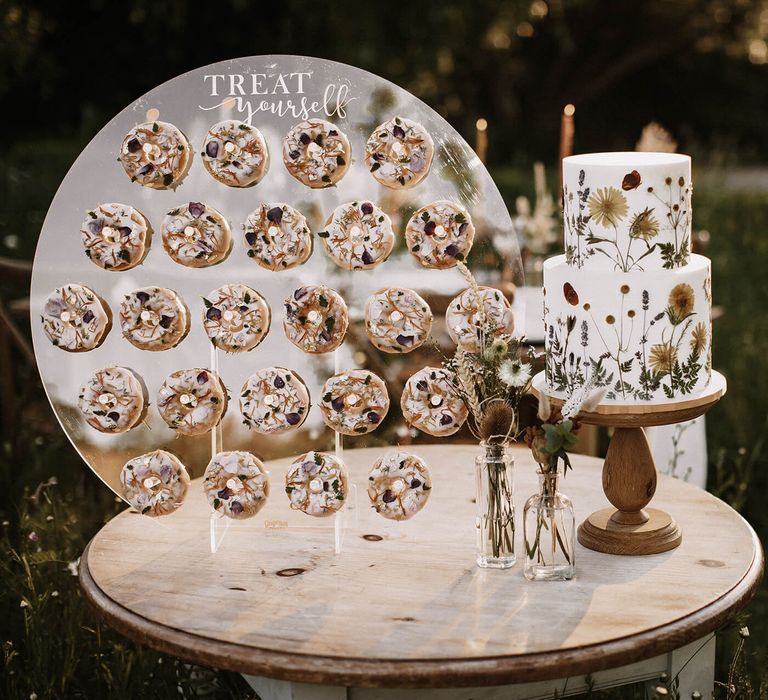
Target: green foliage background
(697, 66)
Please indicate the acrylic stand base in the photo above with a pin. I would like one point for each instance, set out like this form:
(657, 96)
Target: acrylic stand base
(629, 473)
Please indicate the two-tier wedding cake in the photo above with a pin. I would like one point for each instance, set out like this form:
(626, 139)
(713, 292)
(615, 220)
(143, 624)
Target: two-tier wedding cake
(628, 306)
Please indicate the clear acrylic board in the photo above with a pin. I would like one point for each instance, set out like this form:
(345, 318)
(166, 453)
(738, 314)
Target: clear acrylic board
(272, 93)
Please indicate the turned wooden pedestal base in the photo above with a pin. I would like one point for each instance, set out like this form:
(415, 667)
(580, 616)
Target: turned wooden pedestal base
(629, 475)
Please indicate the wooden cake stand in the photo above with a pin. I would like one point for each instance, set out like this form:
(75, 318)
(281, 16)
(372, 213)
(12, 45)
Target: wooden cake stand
(629, 473)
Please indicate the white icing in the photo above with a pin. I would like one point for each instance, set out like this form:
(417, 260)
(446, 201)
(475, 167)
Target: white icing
(192, 401)
(440, 234)
(399, 485)
(399, 153)
(398, 320)
(112, 400)
(358, 236)
(153, 318)
(236, 318)
(316, 164)
(241, 497)
(354, 402)
(463, 316)
(74, 318)
(317, 484)
(196, 235)
(235, 153)
(155, 483)
(277, 237)
(274, 400)
(430, 403)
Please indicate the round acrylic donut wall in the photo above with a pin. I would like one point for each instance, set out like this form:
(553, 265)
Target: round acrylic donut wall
(272, 93)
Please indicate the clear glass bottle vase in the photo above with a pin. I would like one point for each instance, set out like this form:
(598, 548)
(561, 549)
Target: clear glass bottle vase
(549, 532)
(495, 507)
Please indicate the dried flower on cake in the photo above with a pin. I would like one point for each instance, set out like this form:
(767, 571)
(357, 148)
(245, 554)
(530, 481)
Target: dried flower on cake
(607, 206)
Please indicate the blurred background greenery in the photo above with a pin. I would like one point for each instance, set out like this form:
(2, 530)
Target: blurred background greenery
(699, 67)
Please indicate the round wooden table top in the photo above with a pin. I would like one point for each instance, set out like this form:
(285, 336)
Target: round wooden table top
(403, 604)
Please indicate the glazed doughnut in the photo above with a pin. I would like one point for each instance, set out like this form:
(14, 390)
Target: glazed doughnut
(236, 484)
(278, 237)
(74, 318)
(439, 234)
(399, 485)
(463, 316)
(192, 401)
(115, 236)
(397, 320)
(236, 318)
(358, 236)
(196, 235)
(274, 400)
(399, 152)
(153, 318)
(317, 483)
(316, 319)
(235, 154)
(155, 483)
(354, 402)
(431, 404)
(316, 153)
(112, 400)
(155, 154)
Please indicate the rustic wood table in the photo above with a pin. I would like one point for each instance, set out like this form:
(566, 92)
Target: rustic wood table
(403, 605)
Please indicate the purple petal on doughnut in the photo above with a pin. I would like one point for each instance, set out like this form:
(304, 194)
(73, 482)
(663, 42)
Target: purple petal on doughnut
(213, 314)
(212, 149)
(326, 486)
(446, 419)
(202, 378)
(310, 467)
(88, 316)
(333, 132)
(429, 228)
(366, 208)
(55, 307)
(388, 497)
(304, 138)
(398, 132)
(366, 257)
(300, 293)
(417, 162)
(242, 308)
(463, 228)
(294, 155)
(250, 238)
(405, 340)
(292, 418)
(279, 382)
(133, 145)
(452, 250)
(148, 168)
(422, 385)
(236, 163)
(236, 507)
(275, 215)
(113, 416)
(143, 297)
(96, 226)
(125, 231)
(166, 473)
(225, 494)
(373, 417)
(165, 321)
(415, 483)
(196, 209)
(337, 404)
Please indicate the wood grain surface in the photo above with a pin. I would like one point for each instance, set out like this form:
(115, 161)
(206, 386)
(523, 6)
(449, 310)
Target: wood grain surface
(403, 604)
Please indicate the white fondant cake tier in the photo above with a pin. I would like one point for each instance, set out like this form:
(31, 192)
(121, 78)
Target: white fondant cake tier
(646, 336)
(627, 212)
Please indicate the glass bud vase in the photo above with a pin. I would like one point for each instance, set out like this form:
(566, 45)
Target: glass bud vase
(495, 507)
(549, 533)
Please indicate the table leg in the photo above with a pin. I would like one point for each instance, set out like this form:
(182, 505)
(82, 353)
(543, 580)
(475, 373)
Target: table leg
(273, 689)
(692, 668)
